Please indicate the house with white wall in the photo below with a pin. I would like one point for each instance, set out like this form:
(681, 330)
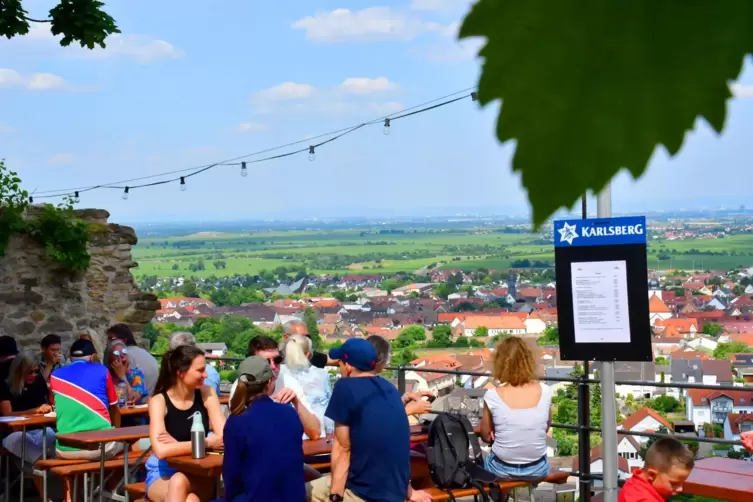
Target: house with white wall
(502, 325)
(703, 406)
(643, 420)
(735, 424)
(597, 466)
(535, 325)
(629, 449)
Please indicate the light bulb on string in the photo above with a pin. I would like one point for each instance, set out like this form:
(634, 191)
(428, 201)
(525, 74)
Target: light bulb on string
(76, 198)
(125, 194)
(244, 171)
(183, 186)
(386, 130)
(312, 154)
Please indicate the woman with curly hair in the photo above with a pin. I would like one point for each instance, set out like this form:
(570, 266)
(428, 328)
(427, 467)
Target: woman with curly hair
(517, 414)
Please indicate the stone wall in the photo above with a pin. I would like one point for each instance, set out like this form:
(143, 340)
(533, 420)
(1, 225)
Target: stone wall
(36, 299)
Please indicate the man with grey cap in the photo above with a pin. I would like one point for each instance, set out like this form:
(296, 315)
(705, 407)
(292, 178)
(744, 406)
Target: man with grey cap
(180, 338)
(263, 448)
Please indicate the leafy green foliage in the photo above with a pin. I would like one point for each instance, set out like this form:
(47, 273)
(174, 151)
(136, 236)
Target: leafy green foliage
(664, 404)
(64, 236)
(722, 350)
(589, 87)
(712, 329)
(481, 331)
(551, 336)
(12, 19)
(441, 337)
(309, 317)
(81, 21)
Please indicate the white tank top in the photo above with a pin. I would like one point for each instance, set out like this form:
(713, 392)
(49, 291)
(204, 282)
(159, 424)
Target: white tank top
(519, 434)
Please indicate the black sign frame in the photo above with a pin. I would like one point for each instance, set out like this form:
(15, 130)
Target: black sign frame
(639, 348)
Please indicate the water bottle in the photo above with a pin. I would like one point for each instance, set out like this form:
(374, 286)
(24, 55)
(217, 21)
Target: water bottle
(122, 392)
(198, 437)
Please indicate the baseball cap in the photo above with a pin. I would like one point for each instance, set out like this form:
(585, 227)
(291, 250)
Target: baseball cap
(357, 352)
(255, 369)
(8, 346)
(82, 348)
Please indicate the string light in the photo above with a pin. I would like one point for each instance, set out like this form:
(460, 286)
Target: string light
(161, 178)
(76, 198)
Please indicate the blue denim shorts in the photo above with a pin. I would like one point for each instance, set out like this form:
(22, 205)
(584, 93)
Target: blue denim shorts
(534, 472)
(156, 469)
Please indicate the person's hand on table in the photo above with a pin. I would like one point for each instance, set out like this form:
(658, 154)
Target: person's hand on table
(214, 442)
(419, 496)
(747, 440)
(45, 408)
(286, 396)
(416, 396)
(418, 407)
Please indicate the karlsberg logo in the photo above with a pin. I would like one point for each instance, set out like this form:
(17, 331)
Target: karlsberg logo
(569, 232)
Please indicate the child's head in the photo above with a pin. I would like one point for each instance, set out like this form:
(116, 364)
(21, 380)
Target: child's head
(668, 465)
(382, 348)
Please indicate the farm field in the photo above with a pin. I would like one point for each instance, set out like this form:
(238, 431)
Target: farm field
(382, 251)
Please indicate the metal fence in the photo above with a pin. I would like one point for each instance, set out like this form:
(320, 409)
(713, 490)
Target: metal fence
(583, 428)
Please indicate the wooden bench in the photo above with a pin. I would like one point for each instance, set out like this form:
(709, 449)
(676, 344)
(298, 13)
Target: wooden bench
(555, 477)
(70, 469)
(136, 490)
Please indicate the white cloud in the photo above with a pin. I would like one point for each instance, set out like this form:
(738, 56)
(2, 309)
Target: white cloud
(252, 127)
(363, 85)
(345, 98)
(373, 23)
(742, 91)
(60, 159)
(33, 82)
(5, 128)
(141, 48)
(440, 5)
(286, 91)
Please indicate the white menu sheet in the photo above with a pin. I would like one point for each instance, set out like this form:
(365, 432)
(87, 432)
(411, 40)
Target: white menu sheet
(600, 301)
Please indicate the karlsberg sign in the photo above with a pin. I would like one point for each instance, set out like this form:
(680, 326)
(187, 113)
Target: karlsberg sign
(600, 231)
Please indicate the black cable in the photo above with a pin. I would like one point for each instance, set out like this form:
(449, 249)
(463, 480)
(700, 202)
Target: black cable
(414, 110)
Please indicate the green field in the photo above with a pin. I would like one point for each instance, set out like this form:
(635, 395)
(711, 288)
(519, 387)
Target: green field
(369, 251)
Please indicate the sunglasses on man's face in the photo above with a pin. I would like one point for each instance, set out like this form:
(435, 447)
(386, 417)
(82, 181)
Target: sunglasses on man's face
(277, 360)
(118, 353)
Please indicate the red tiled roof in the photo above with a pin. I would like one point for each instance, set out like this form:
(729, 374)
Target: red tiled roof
(737, 419)
(689, 354)
(746, 338)
(656, 306)
(596, 454)
(696, 395)
(681, 325)
(506, 322)
(640, 415)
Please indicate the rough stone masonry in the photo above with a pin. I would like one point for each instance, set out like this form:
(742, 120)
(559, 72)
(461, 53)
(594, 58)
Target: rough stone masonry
(37, 299)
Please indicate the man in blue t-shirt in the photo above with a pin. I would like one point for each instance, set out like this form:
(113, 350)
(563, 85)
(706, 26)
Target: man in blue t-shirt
(371, 450)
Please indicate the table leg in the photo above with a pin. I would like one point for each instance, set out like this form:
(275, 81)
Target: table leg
(86, 487)
(44, 472)
(7, 479)
(125, 470)
(23, 462)
(102, 473)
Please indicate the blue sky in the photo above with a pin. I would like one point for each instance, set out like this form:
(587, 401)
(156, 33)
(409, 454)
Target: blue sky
(188, 83)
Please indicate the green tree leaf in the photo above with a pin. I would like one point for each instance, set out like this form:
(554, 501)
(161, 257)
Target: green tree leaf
(82, 21)
(589, 87)
(12, 19)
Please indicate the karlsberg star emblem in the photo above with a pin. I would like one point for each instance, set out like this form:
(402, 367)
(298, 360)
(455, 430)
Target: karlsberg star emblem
(568, 233)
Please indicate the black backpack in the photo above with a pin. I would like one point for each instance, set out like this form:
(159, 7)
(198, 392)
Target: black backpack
(451, 437)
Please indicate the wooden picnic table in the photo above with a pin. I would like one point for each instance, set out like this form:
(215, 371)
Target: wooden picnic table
(721, 478)
(92, 440)
(211, 465)
(28, 422)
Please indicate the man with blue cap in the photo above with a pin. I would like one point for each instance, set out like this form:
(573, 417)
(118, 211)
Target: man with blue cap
(371, 449)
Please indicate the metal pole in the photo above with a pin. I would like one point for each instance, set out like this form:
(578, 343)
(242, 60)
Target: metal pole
(401, 380)
(584, 415)
(608, 403)
(584, 437)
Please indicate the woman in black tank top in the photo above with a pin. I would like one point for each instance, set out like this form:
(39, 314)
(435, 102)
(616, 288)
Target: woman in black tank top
(180, 394)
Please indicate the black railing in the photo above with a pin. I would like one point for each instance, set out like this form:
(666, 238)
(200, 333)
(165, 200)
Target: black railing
(583, 427)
